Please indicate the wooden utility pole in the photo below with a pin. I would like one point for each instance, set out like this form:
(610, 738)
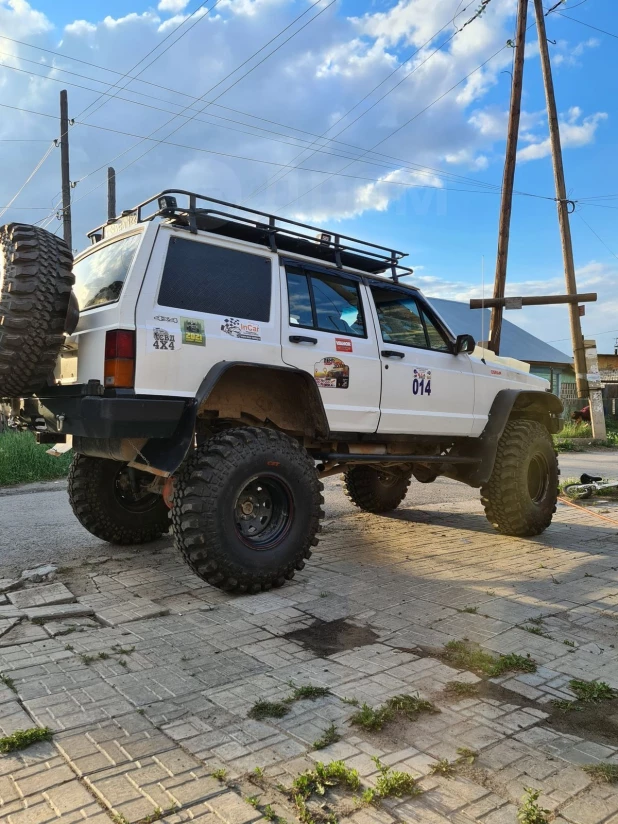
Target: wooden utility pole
(111, 193)
(495, 324)
(64, 167)
(563, 204)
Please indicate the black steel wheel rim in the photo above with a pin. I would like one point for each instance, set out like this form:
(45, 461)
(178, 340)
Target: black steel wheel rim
(263, 512)
(132, 495)
(538, 478)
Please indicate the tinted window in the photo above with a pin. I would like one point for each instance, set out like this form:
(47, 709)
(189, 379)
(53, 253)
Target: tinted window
(399, 317)
(326, 302)
(99, 277)
(203, 278)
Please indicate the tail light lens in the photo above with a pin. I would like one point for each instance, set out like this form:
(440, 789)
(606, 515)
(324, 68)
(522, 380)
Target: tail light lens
(120, 358)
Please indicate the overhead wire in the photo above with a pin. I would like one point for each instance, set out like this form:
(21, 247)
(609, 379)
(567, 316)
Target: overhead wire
(598, 237)
(47, 153)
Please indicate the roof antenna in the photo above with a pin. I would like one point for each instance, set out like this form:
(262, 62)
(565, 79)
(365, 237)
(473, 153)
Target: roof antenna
(483, 307)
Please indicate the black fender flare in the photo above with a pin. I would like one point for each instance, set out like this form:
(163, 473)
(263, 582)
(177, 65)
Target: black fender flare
(508, 403)
(165, 455)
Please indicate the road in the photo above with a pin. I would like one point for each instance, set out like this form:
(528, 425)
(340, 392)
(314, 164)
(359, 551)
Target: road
(37, 525)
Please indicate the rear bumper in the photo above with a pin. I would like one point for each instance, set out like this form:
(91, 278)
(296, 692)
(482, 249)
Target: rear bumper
(75, 410)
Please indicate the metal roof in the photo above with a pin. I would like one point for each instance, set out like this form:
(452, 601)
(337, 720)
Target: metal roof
(515, 342)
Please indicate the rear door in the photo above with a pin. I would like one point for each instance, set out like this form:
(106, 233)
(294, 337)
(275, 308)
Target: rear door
(426, 390)
(326, 330)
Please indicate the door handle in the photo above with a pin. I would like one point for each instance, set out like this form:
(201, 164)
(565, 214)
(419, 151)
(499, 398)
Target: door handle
(391, 353)
(302, 339)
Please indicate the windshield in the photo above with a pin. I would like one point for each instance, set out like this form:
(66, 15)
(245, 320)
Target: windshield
(99, 276)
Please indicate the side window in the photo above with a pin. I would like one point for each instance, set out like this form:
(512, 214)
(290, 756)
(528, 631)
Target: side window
(199, 277)
(403, 321)
(326, 302)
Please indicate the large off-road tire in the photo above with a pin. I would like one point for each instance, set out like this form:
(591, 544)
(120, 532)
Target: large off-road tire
(105, 502)
(35, 288)
(375, 491)
(247, 509)
(520, 497)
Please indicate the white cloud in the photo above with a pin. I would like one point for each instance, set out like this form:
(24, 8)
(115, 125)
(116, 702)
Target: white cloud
(568, 55)
(173, 6)
(573, 134)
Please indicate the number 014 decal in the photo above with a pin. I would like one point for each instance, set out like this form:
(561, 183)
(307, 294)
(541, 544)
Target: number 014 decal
(421, 383)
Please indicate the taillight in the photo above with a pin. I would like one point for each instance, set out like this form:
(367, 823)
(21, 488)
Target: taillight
(120, 358)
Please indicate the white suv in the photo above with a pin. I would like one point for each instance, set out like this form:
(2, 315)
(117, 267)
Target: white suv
(224, 361)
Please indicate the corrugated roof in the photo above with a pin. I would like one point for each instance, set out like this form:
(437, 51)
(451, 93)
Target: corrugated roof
(514, 343)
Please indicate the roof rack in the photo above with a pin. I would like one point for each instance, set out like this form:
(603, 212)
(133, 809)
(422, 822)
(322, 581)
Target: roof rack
(277, 233)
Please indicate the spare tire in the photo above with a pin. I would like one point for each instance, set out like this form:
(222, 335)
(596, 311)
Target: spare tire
(35, 288)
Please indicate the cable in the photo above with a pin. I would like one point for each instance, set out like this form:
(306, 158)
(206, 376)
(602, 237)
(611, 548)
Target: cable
(50, 148)
(596, 334)
(273, 179)
(589, 25)
(22, 140)
(600, 239)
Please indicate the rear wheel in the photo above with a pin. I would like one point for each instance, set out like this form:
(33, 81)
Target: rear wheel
(115, 503)
(247, 509)
(376, 490)
(520, 497)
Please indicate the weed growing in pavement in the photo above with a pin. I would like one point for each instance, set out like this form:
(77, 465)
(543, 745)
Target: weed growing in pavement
(259, 771)
(592, 691)
(569, 643)
(411, 706)
(119, 818)
(317, 782)
(461, 688)
(490, 592)
(392, 782)
(88, 659)
(123, 663)
(537, 631)
(269, 813)
(268, 709)
(117, 649)
(330, 736)
(323, 594)
(442, 767)
(468, 656)
(254, 800)
(21, 739)
(470, 610)
(353, 701)
(8, 682)
(69, 647)
(603, 773)
(529, 811)
(219, 774)
(37, 621)
(371, 719)
(466, 754)
(308, 692)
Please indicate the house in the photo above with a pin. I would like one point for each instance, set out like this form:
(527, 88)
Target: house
(545, 360)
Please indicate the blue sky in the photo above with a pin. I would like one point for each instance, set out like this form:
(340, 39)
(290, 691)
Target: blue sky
(305, 87)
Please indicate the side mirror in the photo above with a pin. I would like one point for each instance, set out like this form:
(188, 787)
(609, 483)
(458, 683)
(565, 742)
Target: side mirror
(464, 343)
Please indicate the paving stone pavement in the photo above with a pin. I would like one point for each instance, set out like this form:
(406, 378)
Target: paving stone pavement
(146, 676)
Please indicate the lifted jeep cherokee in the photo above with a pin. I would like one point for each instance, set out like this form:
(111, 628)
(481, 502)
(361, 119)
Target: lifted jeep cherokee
(220, 361)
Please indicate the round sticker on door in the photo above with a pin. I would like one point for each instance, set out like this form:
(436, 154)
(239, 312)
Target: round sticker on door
(332, 373)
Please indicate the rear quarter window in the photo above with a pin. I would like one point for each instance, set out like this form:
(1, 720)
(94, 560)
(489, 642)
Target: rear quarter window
(100, 276)
(199, 277)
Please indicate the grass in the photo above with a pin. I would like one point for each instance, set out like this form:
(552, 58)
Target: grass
(317, 782)
(537, 631)
(410, 706)
(461, 688)
(21, 739)
(442, 767)
(392, 783)
(467, 656)
(466, 754)
(308, 692)
(602, 773)
(469, 610)
(592, 691)
(330, 736)
(268, 709)
(23, 460)
(529, 811)
(219, 774)
(259, 772)
(570, 430)
(8, 682)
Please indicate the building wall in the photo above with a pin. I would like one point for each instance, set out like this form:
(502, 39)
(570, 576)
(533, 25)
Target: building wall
(608, 367)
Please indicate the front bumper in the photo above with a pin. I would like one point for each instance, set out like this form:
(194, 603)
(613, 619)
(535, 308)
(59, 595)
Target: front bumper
(85, 410)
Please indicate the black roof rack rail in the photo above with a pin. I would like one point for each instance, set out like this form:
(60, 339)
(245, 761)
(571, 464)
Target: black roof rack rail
(241, 223)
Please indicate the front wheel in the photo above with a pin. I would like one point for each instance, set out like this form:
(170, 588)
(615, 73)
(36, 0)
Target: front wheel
(247, 509)
(520, 497)
(375, 490)
(116, 503)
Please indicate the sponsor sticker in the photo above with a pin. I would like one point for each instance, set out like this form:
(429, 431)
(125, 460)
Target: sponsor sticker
(343, 344)
(332, 373)
(164, 340)
(193, 331)
(241, 329)
(421, 383)
(165, 319)
(496, 371)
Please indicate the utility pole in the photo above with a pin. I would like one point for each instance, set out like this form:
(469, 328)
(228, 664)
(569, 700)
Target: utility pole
(111, 193)
(64, 167)
(495, 324)
(563, 205)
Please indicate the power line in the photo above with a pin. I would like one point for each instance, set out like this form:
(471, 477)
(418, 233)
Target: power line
(50, 148)
(600, 239)
(596, 334)
(588, 25)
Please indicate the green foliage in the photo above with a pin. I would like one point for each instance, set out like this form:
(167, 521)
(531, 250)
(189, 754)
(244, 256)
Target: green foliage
(393, 782)
(317, 781)
(269, 813)
(119, 818)
(529, 811)
(117, 649)
(461, 688)
(254, 800)
(469, 610)
(268, 709)
(371, 719)
(468, 656)
(309, 692)
(23, 460)
(259, 771)
(466, 754)
(592, 691)
(602, 772)
(21, 739)
(442, 767)
(569, 643)
(219, 774)
(353, 701)
(410, 706)
(330, 736)
(537, 631)
(7, 681)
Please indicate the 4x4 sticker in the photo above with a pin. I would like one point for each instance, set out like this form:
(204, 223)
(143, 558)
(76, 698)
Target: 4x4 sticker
(332, 373)
(237, 329)
(421, 383)
(343, 344)
(163, 340)
(193, 331)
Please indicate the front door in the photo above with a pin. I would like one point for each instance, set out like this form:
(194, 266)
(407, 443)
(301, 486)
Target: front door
(327, 331)
(426, 390)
